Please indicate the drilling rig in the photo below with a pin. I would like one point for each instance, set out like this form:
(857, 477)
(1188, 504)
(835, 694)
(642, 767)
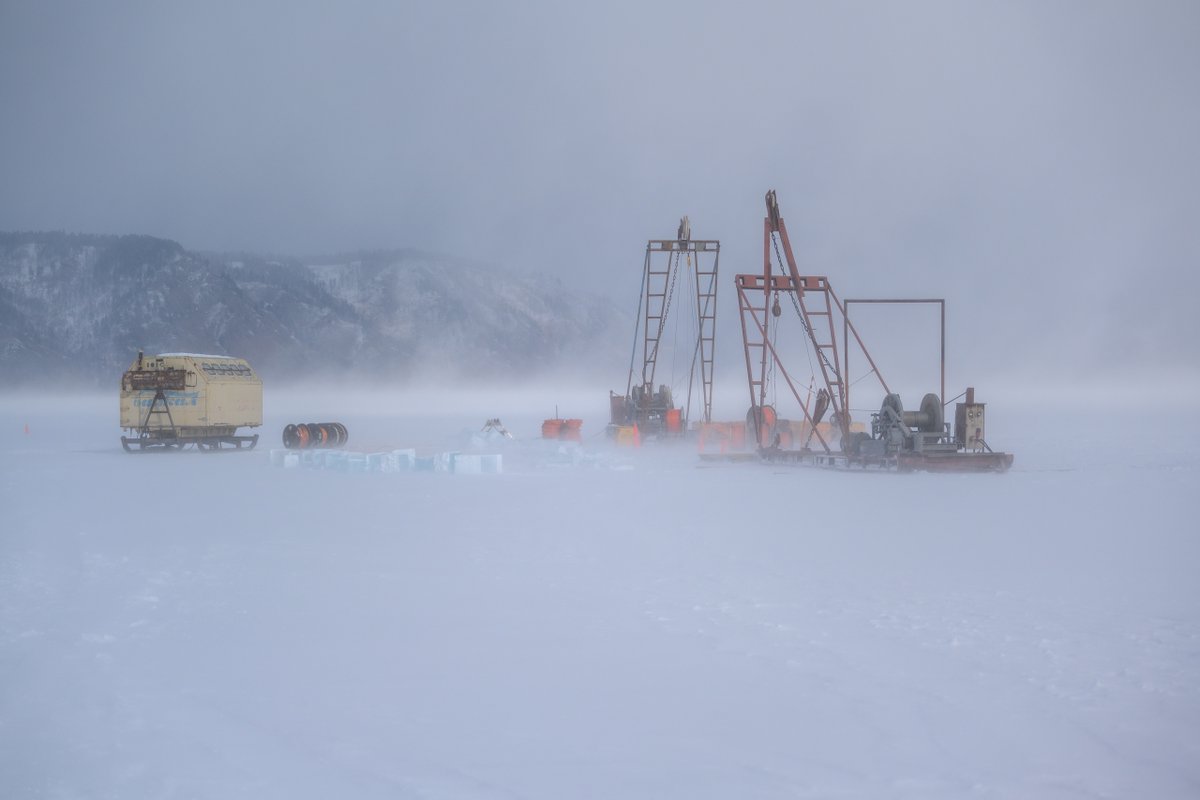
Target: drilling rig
(652, 409)
(827, 436)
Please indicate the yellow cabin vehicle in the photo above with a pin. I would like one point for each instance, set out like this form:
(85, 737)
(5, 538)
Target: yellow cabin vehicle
(173, 400)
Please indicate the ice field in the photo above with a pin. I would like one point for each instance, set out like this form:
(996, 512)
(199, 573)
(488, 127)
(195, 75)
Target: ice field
(627, 625)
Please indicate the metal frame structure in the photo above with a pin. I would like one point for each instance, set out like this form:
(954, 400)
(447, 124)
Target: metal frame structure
(659, 282)
(899, 439)
(816, 305)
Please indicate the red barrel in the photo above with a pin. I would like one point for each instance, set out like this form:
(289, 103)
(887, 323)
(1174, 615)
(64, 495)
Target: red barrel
(570, 430)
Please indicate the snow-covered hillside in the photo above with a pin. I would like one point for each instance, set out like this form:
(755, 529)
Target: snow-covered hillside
(79, 307)
(637, 626)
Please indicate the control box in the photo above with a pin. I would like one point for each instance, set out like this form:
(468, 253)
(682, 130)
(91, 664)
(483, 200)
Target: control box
(968, 425)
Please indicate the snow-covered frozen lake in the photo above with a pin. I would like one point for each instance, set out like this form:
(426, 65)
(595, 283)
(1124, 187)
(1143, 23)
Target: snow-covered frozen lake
(208, 626)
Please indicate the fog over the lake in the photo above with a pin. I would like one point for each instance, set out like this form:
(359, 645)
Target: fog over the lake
(1032, 162)
(432, 609)
(593, 621)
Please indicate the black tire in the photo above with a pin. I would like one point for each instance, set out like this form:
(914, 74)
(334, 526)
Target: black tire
(291, 437)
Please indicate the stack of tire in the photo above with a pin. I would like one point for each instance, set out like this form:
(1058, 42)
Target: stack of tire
(313, 435)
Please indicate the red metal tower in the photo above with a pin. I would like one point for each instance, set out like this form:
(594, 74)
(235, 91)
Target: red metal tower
(654, 409)
(819, 311)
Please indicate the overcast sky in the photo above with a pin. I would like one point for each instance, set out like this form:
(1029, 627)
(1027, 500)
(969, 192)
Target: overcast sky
(1035, 163)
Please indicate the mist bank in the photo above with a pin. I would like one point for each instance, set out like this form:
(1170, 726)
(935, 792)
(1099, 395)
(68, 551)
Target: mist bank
(433, 391)
(76, 309)
(1055, 427)
(635, 626)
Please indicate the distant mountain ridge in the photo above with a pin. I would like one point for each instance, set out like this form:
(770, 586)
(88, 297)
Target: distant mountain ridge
(78, 307)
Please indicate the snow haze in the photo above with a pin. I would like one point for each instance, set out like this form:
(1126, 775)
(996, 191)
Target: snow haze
(633, 624)
(457, 197)
(1032, 162)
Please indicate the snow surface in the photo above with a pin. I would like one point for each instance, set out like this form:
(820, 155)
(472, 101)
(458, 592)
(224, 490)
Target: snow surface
(635, 625)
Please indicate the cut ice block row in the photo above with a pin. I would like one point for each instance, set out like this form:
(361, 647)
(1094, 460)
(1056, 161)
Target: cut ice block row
(464, 464)
(403, 460)
(476, 464)
(400, 460)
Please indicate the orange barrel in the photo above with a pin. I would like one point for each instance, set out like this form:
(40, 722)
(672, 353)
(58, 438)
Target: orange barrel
(737, 435)
(570, 430)
(551, 428)
(714, 435)
(674, 421)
